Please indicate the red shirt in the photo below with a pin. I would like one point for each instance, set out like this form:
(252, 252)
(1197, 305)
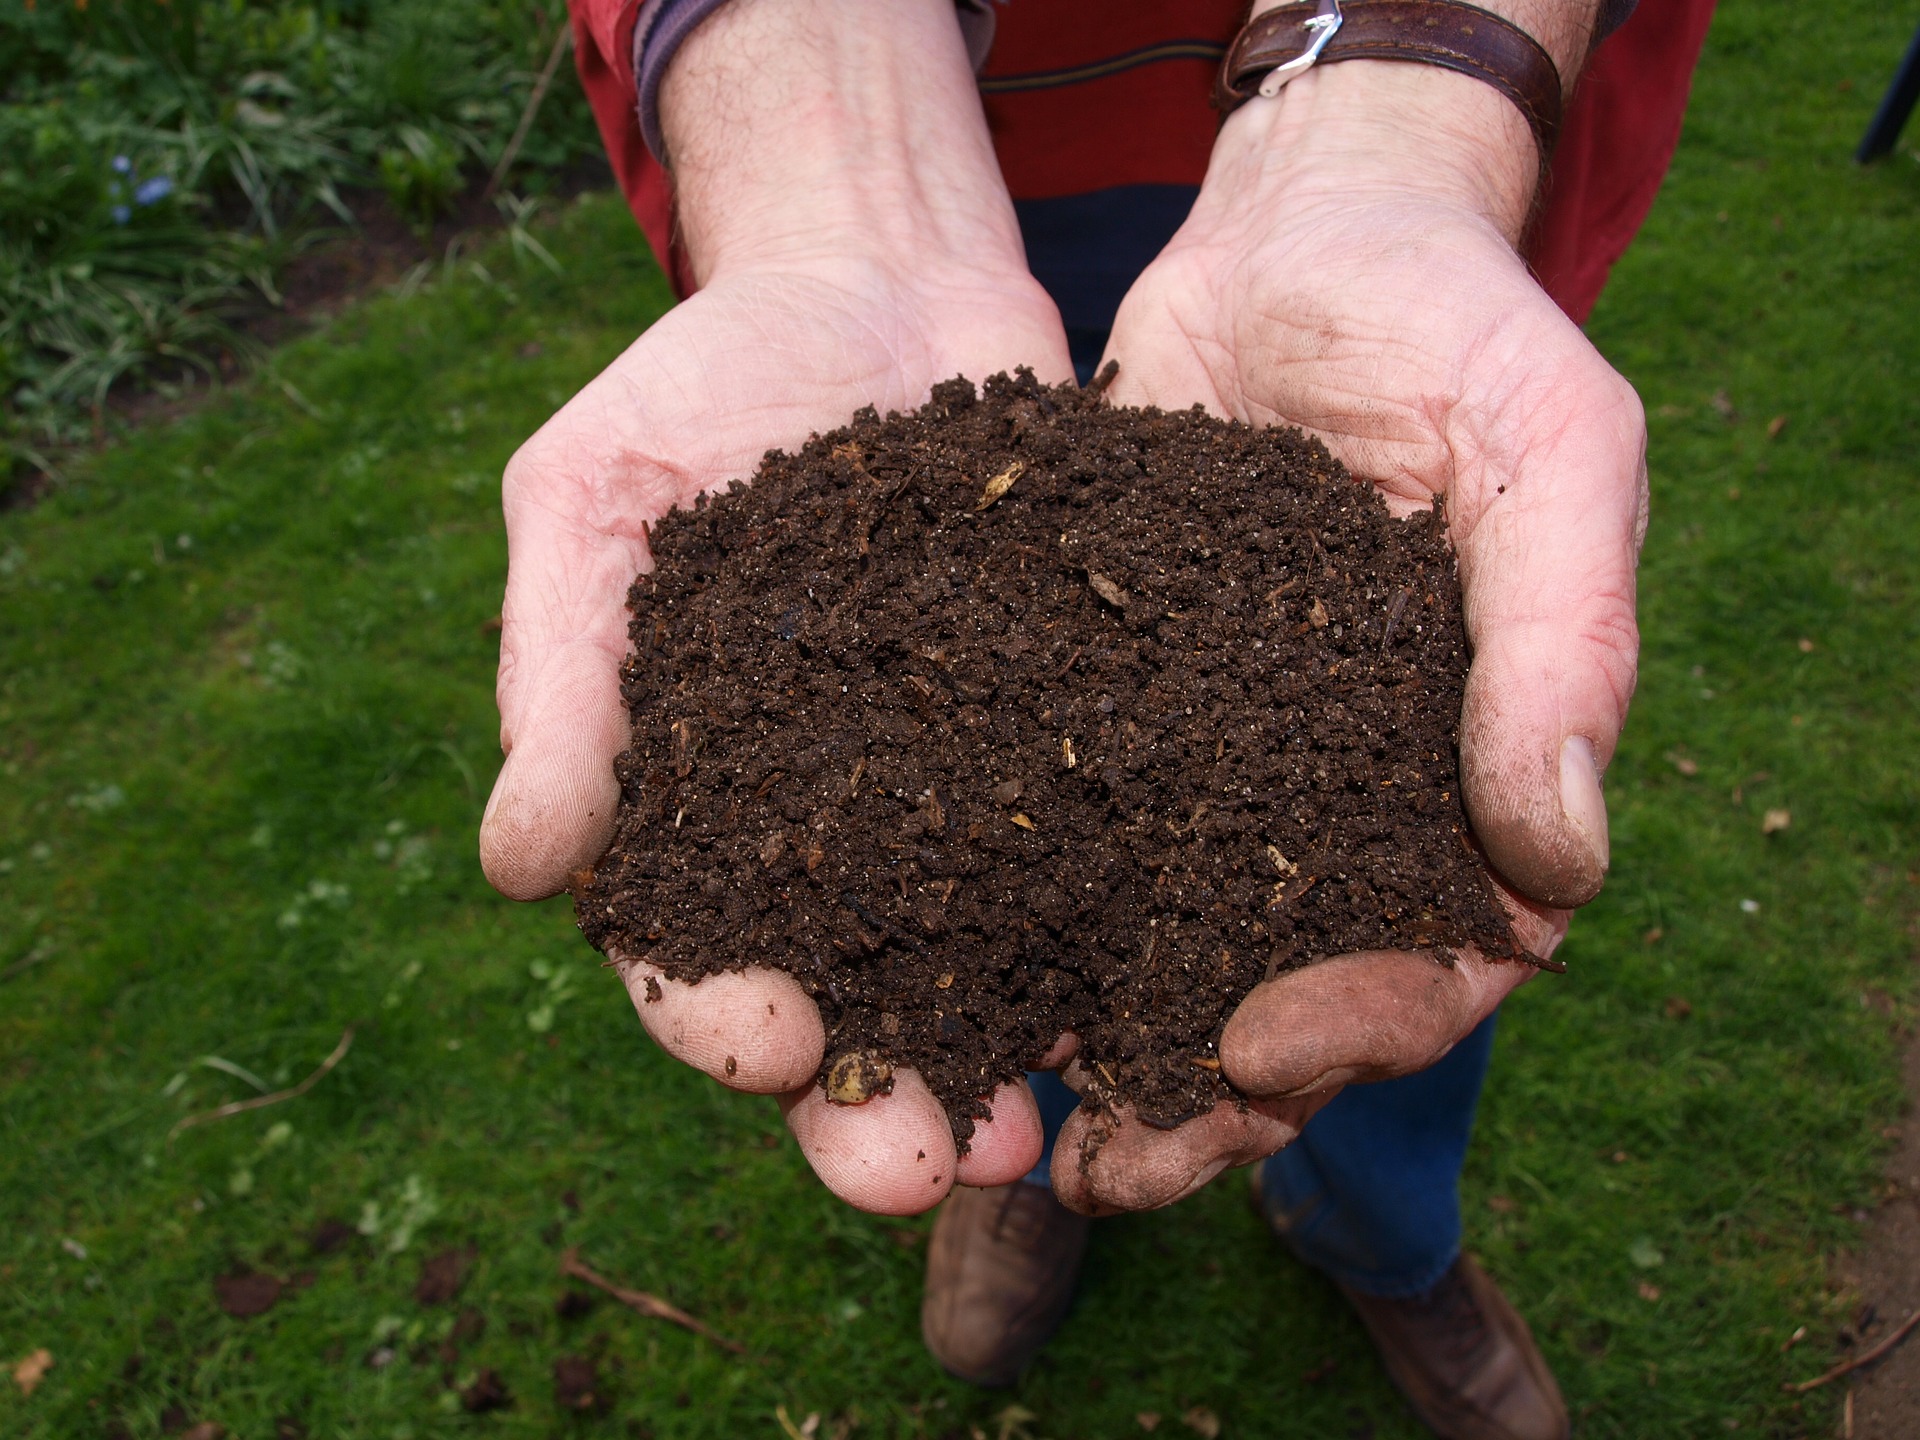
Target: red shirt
(1088, 95)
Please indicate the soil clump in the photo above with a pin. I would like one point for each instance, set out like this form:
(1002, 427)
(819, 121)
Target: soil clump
(1023, 714)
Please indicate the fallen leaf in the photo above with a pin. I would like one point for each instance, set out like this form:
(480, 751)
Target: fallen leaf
(1723, 404)
(576, 1385)
(206, 1430)
(31, 1371)
(1654, 936)
(1775, 821)
(1775, 426)
(442, 1276)
(73, 1247)
(246, 1293)
(487, 1392)
(1147, 1420)
(1806, 646)
(1317, 614)
(329, 1235)
(1203, 1422)
(1685, 764)
(1648, 1292)
(1501, 1204)
(1678, 1008)
(1022, 821)
(1107, 590)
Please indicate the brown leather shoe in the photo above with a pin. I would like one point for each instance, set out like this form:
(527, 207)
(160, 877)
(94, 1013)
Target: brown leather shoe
(1000, 1272)
(1461, 1354)
(1465, 1360)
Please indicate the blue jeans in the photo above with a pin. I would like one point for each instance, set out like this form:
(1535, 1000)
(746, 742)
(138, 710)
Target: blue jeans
(1370, 1192)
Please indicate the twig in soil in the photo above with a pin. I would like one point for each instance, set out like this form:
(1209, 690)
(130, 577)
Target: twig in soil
(260, 1102)
(1542, 962)
(1097, 386)
(1393, 616)
(1859, 1360)
(527, 116)
(651, 1306)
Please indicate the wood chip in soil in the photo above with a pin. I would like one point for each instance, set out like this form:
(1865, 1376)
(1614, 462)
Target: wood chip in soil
(1095, 748)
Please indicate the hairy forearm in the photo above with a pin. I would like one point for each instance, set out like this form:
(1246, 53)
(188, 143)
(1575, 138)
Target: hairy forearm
(1399, 124)
(795, 127)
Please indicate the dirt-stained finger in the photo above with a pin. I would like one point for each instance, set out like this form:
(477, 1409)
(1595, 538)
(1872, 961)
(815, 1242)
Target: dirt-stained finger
(1007, 1146)
(1361, 1017)
(1105, 1164)
(754, 1030)
(893, 1155)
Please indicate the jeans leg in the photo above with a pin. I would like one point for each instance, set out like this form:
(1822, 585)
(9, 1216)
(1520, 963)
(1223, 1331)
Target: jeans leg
(1056, 1103)
(1370, 1192)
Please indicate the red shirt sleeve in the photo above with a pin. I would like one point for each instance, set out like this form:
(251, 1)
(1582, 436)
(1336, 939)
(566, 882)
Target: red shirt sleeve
(1079, 101)
(603, 54)
(1618, 140)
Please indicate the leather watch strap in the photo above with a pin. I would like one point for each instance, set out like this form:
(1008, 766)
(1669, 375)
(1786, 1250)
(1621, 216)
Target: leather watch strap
(1448, 33)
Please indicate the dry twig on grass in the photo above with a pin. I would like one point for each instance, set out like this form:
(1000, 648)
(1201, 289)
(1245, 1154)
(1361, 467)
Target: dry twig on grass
(649, 1305)
(534, 100)
(1854, 1364)
(260, 1102)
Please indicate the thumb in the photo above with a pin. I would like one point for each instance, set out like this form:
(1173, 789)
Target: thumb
(1555, 508)
(563, 723)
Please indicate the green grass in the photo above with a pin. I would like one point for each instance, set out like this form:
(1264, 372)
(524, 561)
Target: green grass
(246, 731)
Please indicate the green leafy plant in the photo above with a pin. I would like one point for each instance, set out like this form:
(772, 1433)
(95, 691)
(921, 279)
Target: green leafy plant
(162, 160)
(421, 175)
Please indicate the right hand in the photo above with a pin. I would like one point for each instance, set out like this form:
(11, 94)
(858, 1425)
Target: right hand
(838, 196)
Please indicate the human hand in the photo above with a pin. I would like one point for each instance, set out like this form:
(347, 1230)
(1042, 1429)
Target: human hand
(847, 259)
(1350, 268)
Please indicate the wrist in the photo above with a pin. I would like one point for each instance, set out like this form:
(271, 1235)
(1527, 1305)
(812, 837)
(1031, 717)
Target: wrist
(1424, 130)
(1377, 130)
(822, 129)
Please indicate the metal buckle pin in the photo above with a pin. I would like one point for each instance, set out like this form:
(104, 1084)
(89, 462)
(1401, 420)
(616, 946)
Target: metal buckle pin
(1323, 27)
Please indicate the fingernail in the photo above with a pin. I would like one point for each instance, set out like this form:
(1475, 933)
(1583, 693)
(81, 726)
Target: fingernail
(1580, 795)
(1337, 1076)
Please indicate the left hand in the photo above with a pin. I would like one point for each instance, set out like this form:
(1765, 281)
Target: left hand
(1349, 268)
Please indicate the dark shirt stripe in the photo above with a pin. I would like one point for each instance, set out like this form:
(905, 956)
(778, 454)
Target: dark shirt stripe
(1206, 50)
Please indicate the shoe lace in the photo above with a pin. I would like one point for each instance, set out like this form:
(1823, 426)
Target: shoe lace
(1456, 1316)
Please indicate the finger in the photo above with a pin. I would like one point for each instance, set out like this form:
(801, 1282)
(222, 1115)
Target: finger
(754, 1030)
(563, 636)
(1547, 511)
(893, 1155)
(1007, 1146)
(1063, 1051)
(1360, 1017)
(1106, 1163)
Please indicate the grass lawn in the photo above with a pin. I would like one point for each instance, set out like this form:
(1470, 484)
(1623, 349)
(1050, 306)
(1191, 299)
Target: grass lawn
(246, 730)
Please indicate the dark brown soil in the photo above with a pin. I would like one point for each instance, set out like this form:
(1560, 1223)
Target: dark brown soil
(1024, 714)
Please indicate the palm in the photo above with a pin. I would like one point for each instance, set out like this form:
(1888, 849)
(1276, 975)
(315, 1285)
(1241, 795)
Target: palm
(745, 365)
(1406, 335)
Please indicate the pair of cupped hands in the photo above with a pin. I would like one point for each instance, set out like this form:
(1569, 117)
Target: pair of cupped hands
(1385, 314)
